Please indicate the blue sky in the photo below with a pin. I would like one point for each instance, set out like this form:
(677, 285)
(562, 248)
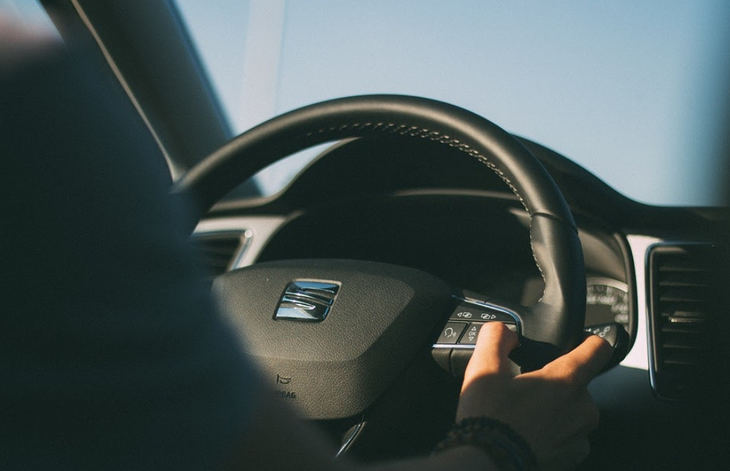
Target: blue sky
(633, 91)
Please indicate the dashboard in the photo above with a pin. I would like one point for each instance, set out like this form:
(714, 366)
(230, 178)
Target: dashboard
(649, 269)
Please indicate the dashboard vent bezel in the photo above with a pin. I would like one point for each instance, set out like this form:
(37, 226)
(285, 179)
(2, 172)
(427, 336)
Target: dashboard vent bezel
(220, 251)
(681, 317)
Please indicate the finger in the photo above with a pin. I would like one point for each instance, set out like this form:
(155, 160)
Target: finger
(491, 353)
(582, 364)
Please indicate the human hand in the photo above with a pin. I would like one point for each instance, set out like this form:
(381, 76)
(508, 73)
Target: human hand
(550, 408)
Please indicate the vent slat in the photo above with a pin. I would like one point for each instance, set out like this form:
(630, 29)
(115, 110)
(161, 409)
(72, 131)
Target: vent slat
(682, 330)
(217, 255)
(682, 261)
(684, 346)
(675, 356)
(223, 251)
(205, 262)
(684, 294)
(688, 314)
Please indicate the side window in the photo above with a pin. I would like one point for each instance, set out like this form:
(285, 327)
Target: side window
(29, 14)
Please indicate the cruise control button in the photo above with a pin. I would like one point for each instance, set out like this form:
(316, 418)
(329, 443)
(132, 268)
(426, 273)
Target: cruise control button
(473, 312)
(463, 313)
(472, 332)
(451, 332)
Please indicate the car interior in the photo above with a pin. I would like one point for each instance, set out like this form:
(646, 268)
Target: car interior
(360, 285)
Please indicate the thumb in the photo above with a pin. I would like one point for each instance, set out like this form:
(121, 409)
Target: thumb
(583, 363)
(491, 355)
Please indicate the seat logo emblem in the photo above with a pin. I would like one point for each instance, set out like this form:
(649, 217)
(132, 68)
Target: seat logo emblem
(308, 301)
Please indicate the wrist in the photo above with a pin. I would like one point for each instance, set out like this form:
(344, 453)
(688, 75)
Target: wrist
(505, 447)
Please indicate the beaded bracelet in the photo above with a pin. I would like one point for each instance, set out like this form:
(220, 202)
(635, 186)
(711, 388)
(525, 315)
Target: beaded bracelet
(507, 449)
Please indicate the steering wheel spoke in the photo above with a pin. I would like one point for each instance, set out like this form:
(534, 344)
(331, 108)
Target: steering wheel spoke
(458, 336)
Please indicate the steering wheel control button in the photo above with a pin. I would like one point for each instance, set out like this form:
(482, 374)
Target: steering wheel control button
(473, 312)
(464, 314)
(451, 332)
(611, 332)
(472, 332)
(308, 301)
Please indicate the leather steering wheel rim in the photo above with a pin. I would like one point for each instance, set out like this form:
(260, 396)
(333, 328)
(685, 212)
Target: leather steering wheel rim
(557, 318)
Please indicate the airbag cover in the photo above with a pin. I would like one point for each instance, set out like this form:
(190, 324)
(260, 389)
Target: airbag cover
(382, 316)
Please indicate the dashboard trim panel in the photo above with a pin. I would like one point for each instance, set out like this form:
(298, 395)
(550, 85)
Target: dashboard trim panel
(258, 230)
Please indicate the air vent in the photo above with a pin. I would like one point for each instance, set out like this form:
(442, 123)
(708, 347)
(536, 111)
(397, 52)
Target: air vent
(683, 315)
(217, 252)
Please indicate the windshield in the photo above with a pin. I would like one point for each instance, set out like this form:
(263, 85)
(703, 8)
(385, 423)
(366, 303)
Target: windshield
(629, 90)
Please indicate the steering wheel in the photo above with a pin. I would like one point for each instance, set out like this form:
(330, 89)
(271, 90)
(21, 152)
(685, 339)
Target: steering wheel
(333, 334)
